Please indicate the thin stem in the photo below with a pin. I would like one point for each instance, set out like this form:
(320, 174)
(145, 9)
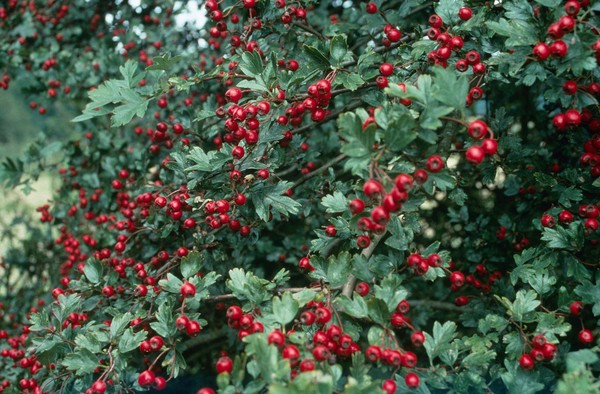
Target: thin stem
(366, 253)
(319, 170)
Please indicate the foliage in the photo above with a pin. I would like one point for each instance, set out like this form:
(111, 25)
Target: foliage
(312, 197)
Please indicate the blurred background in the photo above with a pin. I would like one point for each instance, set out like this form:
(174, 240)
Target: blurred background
(19, 127)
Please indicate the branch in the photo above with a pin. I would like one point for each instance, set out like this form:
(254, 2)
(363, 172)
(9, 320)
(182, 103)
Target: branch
(366, 253)
(435, 305)
(319, 170)
(309, 29)
(332, 115)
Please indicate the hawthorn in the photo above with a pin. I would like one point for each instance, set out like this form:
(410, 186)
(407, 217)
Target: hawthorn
(296, 192)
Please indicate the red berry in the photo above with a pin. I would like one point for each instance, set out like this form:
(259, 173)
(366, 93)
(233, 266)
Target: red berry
(576, 307)
(233, 94)
(548, 221)
(585, 336)
(187, 289)
(363, 241)
(146, 378)
(475, 154)
(435, 163)
(572, 7)
(417, 338)
(489, 146)
(541, 51)
(412, 380)
(291, 352)
(526, 362)
(465, 13)
(357, 206)
(224, 364)
(331, 231)
(371, 8)
(477, 129)
(386, 69)
(389, 386)
(276, 337)
(372, 188)
(362, 288)
(237, 152)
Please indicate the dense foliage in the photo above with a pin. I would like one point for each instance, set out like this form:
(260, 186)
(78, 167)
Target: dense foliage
(307, 197)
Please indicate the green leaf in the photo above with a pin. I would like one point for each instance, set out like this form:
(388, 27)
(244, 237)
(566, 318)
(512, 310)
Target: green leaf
(439, 342)
(355, 307)
(359, 142)
(133, 105)
(334, 270)
(450, 89)
(378, 311)
(165, 323)
(335, 202)
(338, 49)
(190, 264)
(247, 286)
(93, 270)
(266, 197)
(591, 294)
(400, 132)
(130, 341)
(349, 80)
(82, 362)
(391, 291)
(285, 308)
(118, 325)
(266, 358)
(89, 341)
(525, 303)
(570, 238)
(448, 10)
(519, 381)
(441, 181)
(164, 62)
(430, 117)
(316, 57)
(519, 32)
(251, 64)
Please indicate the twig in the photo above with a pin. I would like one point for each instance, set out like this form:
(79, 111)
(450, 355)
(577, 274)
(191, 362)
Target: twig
(309, 29)
(366, 253)
(332, 115)
(319, 170)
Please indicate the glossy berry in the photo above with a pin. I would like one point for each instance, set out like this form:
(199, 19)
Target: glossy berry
(465, 13)
(489, 146)
(526, 362)
(386, 69)
(389, 386)
(585, 336)
(477, 129)
(434, 163)
(188, 289)
(146, 378)
(417, 338)
(475, 154)
(412, 380)
(362, 288)
(224, 365)
(576, 307)
(363, 241)
(371, 8)
(356, 206)
(541, 51)
(372, 188)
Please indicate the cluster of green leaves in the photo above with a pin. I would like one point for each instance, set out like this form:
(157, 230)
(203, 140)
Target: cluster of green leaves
(515, 289)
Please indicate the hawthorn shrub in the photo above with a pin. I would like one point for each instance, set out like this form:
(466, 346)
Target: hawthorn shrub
(308, 197)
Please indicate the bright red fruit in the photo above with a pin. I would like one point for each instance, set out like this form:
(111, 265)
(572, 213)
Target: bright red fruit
(224, 364)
